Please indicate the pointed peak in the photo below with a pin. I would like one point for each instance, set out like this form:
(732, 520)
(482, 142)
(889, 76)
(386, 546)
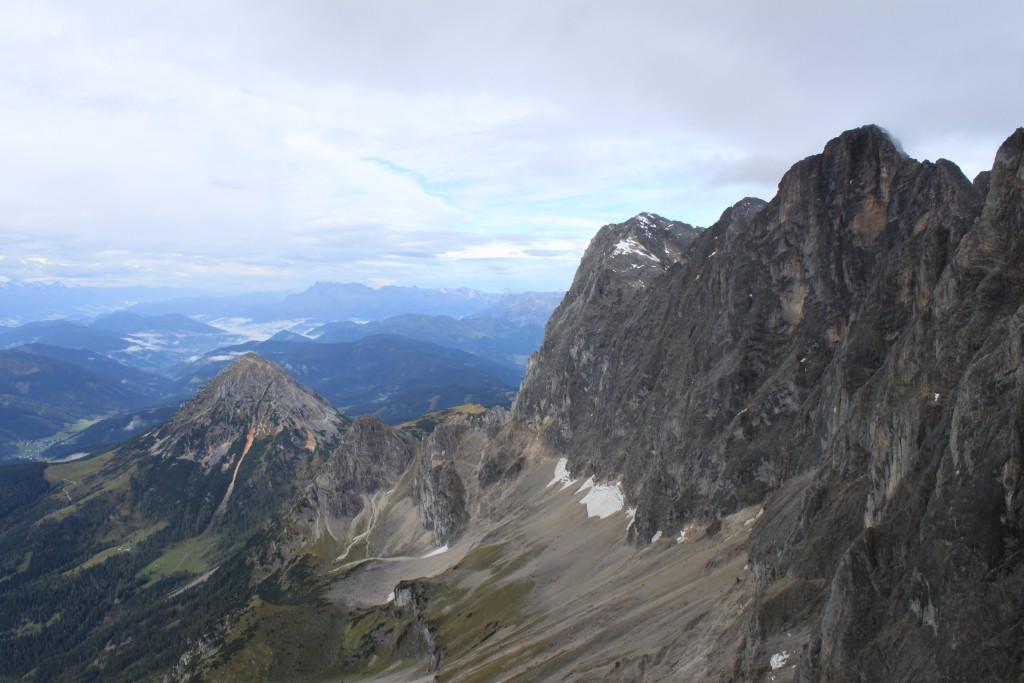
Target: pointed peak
(289, 336)
(248, 361)
(1003, 186)
(648, 218)
(250, 379)
(748, 206)
(250, 397)
(646, 221)
(854, 165)
(250, 365)
(871, 131)
(639, 248)
(1010, 154)
(737, 218)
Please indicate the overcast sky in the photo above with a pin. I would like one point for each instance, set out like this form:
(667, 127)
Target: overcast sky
(238, 145)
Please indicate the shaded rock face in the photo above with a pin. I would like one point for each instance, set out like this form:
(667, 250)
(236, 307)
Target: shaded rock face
(460, 459)
(440, 492)
(615, 348)
(935, 578)
(848, 353)
(371, 458)
(589, 334)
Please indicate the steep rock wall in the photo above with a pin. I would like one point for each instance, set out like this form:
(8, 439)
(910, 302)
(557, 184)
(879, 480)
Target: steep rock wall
(849, 354)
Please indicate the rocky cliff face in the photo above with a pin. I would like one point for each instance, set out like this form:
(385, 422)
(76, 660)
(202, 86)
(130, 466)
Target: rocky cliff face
(370, 460)
(932, 576)
(440, 492)
(847, 353)
(586, 335)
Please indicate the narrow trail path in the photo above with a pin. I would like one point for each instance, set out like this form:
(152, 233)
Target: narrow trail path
(66, 492)
(180, 562)
(373, 513)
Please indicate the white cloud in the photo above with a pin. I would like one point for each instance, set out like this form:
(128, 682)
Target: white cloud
(237, 144)
(559, 249)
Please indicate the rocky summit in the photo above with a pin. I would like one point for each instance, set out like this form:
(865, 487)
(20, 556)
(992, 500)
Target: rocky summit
(249, 399)
(786, 447)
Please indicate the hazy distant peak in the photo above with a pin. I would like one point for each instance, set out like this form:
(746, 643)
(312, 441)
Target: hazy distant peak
(128, 322)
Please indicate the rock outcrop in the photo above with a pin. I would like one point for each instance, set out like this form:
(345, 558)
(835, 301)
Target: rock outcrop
(847, 353)
(440, 492)
(807, 418)
(370, 460)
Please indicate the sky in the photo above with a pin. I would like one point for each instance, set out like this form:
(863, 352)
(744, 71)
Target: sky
(232, 146)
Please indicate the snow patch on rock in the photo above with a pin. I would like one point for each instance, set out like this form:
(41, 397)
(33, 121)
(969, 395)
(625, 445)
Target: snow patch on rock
(604, 500)
(778, 660)
(631, 246)
(561, 475)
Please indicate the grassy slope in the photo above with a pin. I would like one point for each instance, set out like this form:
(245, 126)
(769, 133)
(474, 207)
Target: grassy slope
(66, 553)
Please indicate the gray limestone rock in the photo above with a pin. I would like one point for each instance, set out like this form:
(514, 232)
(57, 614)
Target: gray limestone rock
(440, 493)
(372, 458)
(847, 353)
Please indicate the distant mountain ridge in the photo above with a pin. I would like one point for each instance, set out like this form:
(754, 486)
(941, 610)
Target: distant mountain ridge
(65, 334)
(339, 301)
(43, 388)
(148, 384)
(326, 302)
(155, 344)
(23, 302)
(497, 339)
(127, 322)
(168, 345)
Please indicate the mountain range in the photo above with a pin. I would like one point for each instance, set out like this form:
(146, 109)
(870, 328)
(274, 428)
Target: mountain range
(334, 301)
(396, 378)
(786, 447)
(24, 302)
